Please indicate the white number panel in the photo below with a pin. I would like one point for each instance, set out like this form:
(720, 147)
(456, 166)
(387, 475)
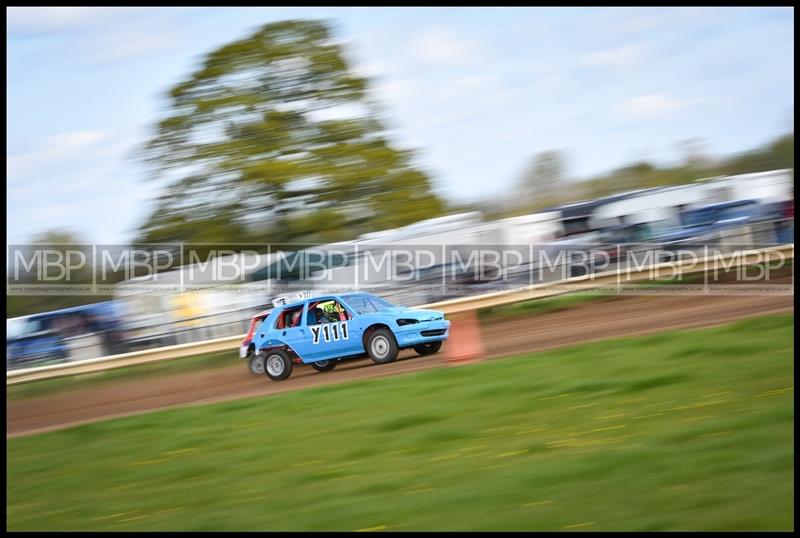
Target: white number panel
(330, 332)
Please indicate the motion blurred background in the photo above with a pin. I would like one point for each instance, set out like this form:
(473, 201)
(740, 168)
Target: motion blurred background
(203, 127)
(266, 132)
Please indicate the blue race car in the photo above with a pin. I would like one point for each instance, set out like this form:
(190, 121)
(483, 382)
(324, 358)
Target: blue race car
(323, 330)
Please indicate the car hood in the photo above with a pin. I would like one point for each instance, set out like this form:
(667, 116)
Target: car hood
(413, 313)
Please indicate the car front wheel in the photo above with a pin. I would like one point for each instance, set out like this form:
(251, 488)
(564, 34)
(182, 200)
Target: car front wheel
(428, 349)
(277, 365)
(382, 347)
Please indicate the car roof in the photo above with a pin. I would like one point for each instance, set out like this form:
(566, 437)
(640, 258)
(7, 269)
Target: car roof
(352, 293)
(327, 296)
(301, 302)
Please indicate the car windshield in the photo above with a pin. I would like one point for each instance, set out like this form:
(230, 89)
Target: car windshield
(363, 303)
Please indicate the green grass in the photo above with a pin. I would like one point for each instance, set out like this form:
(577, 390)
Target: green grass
(85, 381)
(685, 430)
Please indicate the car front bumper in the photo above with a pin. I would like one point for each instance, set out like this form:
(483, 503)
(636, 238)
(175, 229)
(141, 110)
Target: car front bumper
(422, 333)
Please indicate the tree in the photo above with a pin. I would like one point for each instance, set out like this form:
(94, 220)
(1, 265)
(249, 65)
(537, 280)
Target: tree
(777, 155)
(543, 178)
(56, 237)
(248, 154)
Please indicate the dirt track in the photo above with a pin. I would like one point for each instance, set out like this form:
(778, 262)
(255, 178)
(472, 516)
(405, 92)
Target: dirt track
(597, 320)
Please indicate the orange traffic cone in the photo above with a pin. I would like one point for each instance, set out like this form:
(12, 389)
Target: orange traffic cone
(464, 344)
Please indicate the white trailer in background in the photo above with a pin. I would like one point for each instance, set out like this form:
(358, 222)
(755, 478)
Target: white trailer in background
(454, 229)
(533, 229)
(371, 248)
(454, 248)
(659, 207)
(470, 229)
(765, 187)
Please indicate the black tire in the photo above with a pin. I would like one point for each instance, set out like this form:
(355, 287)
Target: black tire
(255, 363)
(382, 347)
(324, 366)
(277, 365)
(428, 349)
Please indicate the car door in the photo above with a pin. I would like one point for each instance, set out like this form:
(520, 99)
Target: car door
(298, 337)
(332, 337)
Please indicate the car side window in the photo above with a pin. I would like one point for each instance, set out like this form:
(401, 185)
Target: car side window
(357, 303)
(329, 311)
(290, 318)
(362, 305)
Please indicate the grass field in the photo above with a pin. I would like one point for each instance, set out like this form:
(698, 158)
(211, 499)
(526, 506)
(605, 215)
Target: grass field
(685, 430)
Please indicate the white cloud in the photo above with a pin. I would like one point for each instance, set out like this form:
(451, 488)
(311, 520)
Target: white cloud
(120, 46)
(653, 106)
(369, 69)
(99, 35)
(403, 90)
(77, 180)
(466, 86)
(52, 151)
(440, 46)
(627, 56)
(25, 20)
(75, 139)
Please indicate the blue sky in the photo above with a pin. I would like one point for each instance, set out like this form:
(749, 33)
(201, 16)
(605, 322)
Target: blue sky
(477, 91)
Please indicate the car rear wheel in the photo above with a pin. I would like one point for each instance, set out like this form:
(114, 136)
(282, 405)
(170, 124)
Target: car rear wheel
(324, 366)
(382, 347)
(256, 363)
(277, 365)
(428, 349)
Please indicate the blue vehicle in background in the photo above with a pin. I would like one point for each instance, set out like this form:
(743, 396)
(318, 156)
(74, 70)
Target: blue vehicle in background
(701, 225)
(46, 337)
(324, 330)
(32, 340)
